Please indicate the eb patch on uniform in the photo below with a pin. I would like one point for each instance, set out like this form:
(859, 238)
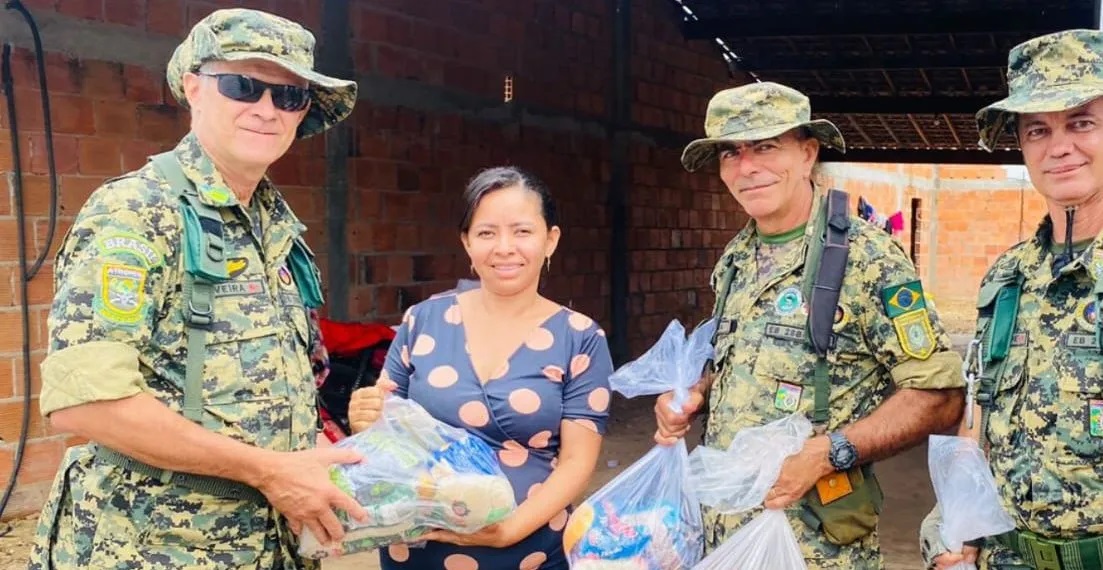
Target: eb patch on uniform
(122, 293)
(906, 305)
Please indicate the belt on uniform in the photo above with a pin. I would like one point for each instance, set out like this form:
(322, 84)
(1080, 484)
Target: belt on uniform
(215, 486)
(1049, 554)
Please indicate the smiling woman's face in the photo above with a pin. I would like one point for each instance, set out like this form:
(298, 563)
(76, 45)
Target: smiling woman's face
(1063, 152)
(509, 240)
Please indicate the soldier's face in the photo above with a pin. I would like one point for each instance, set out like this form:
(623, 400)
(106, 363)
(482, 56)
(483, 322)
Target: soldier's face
(509, 240)
(242, 133)
(1063, 152)
(770, 178)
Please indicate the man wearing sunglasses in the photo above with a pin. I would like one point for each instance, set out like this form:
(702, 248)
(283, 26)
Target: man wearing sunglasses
(181, 331)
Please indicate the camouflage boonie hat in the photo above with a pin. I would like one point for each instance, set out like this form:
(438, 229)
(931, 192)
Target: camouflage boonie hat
(1054, 72)
(754, 112)
(238, 34)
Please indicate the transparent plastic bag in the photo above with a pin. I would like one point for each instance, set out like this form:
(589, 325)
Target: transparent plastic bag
(647, 518)
(644, 519)
(966, 493)
(737, 480)
(418, 474)
(673, 363)
(765, 543)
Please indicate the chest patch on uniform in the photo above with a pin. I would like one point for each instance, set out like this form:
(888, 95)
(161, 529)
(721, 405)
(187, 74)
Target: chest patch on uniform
(285, 276)
(236, 266)
(239, 288)
(1086, 315)
(788, 301)
(1095, 418)
(130, 247)
(787, 397)
(122, 293)
(1018, 339)
(1080, 340)
(906, 306)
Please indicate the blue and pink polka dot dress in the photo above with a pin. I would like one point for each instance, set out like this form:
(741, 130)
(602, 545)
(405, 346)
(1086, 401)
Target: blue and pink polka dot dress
(560, 372)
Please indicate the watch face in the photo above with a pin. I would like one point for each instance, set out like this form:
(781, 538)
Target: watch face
(846, 455)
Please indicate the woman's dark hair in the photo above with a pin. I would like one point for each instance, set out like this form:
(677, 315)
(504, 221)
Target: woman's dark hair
(499, 177)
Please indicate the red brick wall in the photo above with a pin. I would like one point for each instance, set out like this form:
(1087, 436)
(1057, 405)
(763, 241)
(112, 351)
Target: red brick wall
(969, 215)
(408, 162)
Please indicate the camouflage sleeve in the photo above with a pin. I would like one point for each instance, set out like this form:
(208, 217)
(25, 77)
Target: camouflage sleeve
(111, 279)
(901, 325)
(930, 537)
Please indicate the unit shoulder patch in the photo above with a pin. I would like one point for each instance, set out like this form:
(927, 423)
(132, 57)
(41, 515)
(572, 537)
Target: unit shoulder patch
(120, 297)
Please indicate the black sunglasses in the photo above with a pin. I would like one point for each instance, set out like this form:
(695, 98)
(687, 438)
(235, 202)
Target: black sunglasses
(290, 98)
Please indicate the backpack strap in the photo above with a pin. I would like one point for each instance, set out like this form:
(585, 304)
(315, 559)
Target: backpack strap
(824, 268)
(204, 265)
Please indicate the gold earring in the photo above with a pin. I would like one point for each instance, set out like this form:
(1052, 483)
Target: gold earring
(472, 268)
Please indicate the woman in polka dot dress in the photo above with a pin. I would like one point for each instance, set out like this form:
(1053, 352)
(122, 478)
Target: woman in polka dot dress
(525, 374)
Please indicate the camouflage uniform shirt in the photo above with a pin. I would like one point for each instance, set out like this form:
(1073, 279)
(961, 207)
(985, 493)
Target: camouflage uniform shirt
(117, 329)
(1045, 429)
(767, 347)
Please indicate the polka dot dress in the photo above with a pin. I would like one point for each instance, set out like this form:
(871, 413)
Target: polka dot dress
(560, 372)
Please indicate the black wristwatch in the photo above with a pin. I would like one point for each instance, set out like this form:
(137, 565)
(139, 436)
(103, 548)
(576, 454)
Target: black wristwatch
(843, 454)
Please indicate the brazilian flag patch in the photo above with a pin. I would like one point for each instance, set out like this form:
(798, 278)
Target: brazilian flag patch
(906, 305)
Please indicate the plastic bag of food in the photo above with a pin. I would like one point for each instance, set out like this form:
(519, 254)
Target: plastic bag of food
(737, 480)
(648, 517)
(966, 493)
(418, 474)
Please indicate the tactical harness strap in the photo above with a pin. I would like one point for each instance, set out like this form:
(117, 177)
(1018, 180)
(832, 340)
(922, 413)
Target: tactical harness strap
(204, 265)
(823, 278)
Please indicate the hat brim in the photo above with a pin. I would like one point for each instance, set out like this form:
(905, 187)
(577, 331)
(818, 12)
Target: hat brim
(331, 99)
(701, 151)
(997, 119)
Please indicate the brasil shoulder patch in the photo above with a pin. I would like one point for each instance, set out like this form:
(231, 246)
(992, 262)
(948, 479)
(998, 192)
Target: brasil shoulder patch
(906, 306)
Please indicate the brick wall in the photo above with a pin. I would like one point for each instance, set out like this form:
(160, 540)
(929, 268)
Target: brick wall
(431, 114)
(968, 215)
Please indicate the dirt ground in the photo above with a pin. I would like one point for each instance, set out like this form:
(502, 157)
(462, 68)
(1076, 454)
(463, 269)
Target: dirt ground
(904, 478)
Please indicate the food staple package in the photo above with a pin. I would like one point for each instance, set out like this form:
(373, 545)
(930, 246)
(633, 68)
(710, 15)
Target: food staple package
(418, 474)
(648, 517)
(736, 480)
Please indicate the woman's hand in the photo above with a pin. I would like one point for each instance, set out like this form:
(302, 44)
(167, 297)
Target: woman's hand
(366, 404)
(497, 535)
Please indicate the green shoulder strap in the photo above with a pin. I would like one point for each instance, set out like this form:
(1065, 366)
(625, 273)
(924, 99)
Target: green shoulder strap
(825, 266)
(305, 273)
(998, 311)
(204, 265)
